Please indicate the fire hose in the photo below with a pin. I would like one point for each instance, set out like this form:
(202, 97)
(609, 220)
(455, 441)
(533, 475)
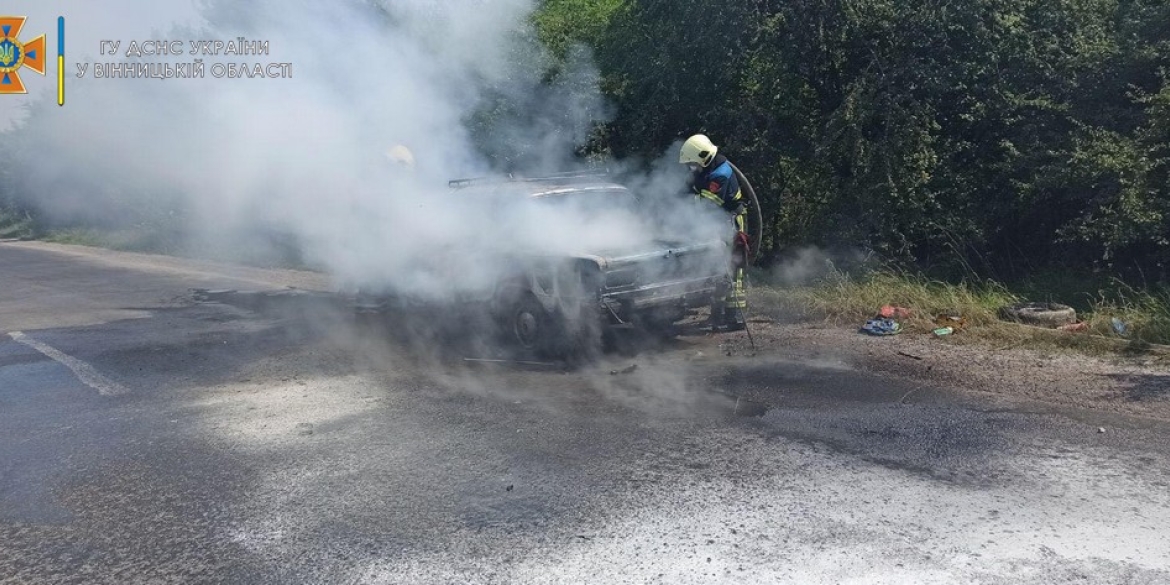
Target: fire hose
(755, 223)
(755, 231)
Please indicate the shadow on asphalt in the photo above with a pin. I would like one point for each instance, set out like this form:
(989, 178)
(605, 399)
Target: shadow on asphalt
(1149, 387)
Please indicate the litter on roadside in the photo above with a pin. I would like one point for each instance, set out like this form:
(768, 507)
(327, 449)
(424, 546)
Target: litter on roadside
(953, 322)
(941, 331)
(894, 312)
(1120, 328)
(1077, 327)
(882, 326)
(628, 370)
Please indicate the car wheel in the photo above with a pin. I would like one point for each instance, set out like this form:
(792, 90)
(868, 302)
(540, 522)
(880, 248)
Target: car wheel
(530, 325)
(536, 332)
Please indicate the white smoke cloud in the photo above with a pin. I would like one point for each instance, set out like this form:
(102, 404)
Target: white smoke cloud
(233, 161)
(809, 265)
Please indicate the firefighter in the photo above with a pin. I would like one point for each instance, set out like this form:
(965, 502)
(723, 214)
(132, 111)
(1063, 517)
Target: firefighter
(714, 180)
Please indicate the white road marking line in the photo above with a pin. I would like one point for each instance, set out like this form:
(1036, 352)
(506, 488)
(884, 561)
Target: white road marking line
(84, 372)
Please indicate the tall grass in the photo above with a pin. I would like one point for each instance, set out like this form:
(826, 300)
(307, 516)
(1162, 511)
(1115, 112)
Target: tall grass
(851, 299)
(1145, 314)
(847, 299)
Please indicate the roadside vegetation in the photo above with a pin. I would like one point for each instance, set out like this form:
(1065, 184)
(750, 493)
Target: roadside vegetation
(1008, 138)
(15, 224)
(849, 300)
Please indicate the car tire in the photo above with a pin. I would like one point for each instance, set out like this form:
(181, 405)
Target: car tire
(529, 325)
(1050, 315)
(576, 339)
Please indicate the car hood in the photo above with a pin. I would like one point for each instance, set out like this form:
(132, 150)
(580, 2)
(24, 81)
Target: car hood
(648, 251)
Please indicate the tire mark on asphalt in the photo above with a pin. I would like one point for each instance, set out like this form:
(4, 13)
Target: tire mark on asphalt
(84, 372)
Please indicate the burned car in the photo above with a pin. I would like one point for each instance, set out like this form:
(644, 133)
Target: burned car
(561, 258)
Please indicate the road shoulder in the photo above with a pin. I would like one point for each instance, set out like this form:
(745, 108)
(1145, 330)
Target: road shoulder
(1133, 387)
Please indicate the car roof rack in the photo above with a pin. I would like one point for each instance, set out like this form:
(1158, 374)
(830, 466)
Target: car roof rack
(565, 177)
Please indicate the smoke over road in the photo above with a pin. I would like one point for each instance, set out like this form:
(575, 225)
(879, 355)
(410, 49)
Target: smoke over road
(218, 161)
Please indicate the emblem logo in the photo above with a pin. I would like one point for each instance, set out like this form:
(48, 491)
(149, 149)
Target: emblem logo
(15, 55)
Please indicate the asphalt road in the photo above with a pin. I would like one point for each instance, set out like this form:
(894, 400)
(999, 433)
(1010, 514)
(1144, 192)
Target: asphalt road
(147, 437)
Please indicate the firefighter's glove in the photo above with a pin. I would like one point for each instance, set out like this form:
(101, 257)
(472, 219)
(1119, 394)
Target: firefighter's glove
(742, 240)
(742, 255)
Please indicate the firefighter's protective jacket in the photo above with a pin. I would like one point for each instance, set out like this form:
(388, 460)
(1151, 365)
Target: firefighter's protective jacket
(717, 183)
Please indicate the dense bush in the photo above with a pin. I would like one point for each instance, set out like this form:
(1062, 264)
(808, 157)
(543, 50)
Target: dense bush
(1004, 137)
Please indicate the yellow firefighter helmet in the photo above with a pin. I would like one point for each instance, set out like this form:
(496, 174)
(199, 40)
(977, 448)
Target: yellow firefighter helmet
(698, 150)
(400, 155)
